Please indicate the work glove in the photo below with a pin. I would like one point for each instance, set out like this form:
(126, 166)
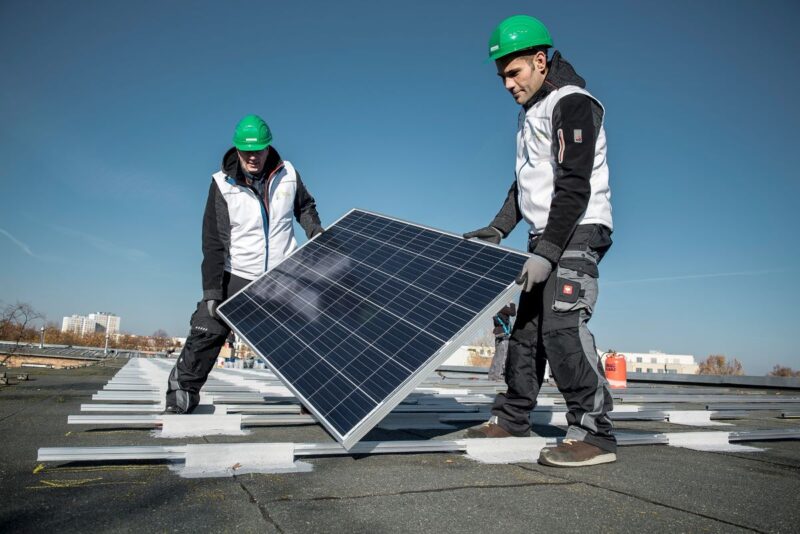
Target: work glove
(490, 234)
(502, 321)
(316, 231)
(212, 307)
(535, 271)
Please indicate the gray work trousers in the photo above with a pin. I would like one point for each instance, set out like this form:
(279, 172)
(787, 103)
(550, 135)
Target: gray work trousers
(551, 325)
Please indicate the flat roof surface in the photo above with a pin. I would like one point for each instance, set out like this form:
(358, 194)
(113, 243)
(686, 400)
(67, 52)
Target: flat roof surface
(650, 488)
(69, 352)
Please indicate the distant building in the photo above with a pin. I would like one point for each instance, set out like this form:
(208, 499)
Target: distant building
(93, 323)
(479, 356)
(72, 324)
(636, 362)
(105, 322)
(658, 362)
(471, 355)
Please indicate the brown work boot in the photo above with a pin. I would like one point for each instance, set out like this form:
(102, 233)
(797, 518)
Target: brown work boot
(491, 429)
(574, 453)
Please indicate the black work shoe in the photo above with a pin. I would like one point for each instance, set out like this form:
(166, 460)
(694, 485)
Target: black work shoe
(574, 453)
(491, 429)
(181, 402)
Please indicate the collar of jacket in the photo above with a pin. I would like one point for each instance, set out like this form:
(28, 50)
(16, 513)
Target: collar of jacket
(559, 74)
(231, 167)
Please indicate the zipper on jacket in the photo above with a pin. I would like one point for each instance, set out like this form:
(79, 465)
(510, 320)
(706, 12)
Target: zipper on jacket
(264, 220)
(264, 202)
(268, 183)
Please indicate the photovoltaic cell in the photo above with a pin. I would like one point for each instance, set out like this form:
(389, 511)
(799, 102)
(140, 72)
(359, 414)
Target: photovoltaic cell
(356, 317)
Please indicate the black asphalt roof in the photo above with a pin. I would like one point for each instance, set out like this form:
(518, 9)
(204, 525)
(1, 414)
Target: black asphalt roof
(651, 488)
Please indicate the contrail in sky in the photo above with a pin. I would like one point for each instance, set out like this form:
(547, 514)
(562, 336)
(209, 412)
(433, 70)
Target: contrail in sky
(25, 248)
(690, 277)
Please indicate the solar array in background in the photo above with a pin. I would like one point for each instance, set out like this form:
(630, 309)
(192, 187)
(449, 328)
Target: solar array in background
(356, 313)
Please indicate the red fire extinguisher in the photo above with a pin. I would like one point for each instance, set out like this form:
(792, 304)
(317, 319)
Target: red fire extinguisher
(616, 370)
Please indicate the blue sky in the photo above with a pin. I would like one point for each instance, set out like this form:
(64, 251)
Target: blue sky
(115, 114)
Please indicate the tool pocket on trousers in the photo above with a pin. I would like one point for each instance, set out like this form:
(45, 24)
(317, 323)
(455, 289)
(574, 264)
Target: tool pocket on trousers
(576, 282)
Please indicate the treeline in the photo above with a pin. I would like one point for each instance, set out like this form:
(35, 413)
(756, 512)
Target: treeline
(54, 336)
(718, 364)
(21, 323)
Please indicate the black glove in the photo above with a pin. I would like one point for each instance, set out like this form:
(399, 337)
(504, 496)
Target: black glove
(503, 319)
(212, 307)
(535, 271)
(490, 234)
(316, 231)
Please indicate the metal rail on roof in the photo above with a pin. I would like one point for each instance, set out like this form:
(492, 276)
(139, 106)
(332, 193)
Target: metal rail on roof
(92, 454)
(238, 392)
(718, 380)
(755, 406)
(155, 420)
(702, 399)
(77, 454)
(666, 378)
(279, 418)
(158, 408)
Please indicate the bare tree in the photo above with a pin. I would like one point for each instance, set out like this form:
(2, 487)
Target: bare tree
(161, 339)
(716, 364)
(17, 319)
(779, 370)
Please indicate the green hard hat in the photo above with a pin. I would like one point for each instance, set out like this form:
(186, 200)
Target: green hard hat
(252, 133)
(517, 33)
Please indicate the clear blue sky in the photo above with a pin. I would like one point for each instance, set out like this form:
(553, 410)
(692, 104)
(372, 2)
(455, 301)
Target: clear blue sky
(115, 114)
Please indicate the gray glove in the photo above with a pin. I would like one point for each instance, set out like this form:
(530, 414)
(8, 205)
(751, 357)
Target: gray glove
(316, 231)
(212, 307)
(490, 234)
(535, 271)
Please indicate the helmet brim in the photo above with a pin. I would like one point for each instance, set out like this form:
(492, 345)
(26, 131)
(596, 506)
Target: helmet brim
(501, 54)
(251, 147)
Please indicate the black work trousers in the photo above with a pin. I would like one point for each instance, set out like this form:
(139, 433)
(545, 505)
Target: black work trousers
(551, 325)
(206, 338)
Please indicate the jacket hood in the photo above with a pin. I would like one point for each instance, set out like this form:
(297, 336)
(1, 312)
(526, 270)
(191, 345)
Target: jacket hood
(559, 74)
(230, 163)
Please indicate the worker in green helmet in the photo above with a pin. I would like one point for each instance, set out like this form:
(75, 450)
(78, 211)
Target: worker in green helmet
(561, 190)
(247, 229)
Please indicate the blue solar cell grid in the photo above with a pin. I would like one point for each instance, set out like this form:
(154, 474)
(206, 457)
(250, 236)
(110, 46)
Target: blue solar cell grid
(352, 315)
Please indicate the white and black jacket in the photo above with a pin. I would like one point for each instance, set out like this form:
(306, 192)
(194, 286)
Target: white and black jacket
(246, 233)
(562, 177)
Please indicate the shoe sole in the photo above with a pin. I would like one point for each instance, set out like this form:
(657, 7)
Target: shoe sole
(599, 459)
(482, 436)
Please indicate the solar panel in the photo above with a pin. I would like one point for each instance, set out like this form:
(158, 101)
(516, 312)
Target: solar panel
(354, 319)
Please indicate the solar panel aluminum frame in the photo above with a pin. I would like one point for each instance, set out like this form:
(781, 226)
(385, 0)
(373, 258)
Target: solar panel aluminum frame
(469, 332)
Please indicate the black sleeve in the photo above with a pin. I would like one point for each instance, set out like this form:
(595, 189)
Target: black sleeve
(509, 215)
(574, 140)
(216, 243)
(305, 209)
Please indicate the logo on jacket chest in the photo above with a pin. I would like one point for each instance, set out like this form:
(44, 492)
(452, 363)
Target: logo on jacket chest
(282, 193)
